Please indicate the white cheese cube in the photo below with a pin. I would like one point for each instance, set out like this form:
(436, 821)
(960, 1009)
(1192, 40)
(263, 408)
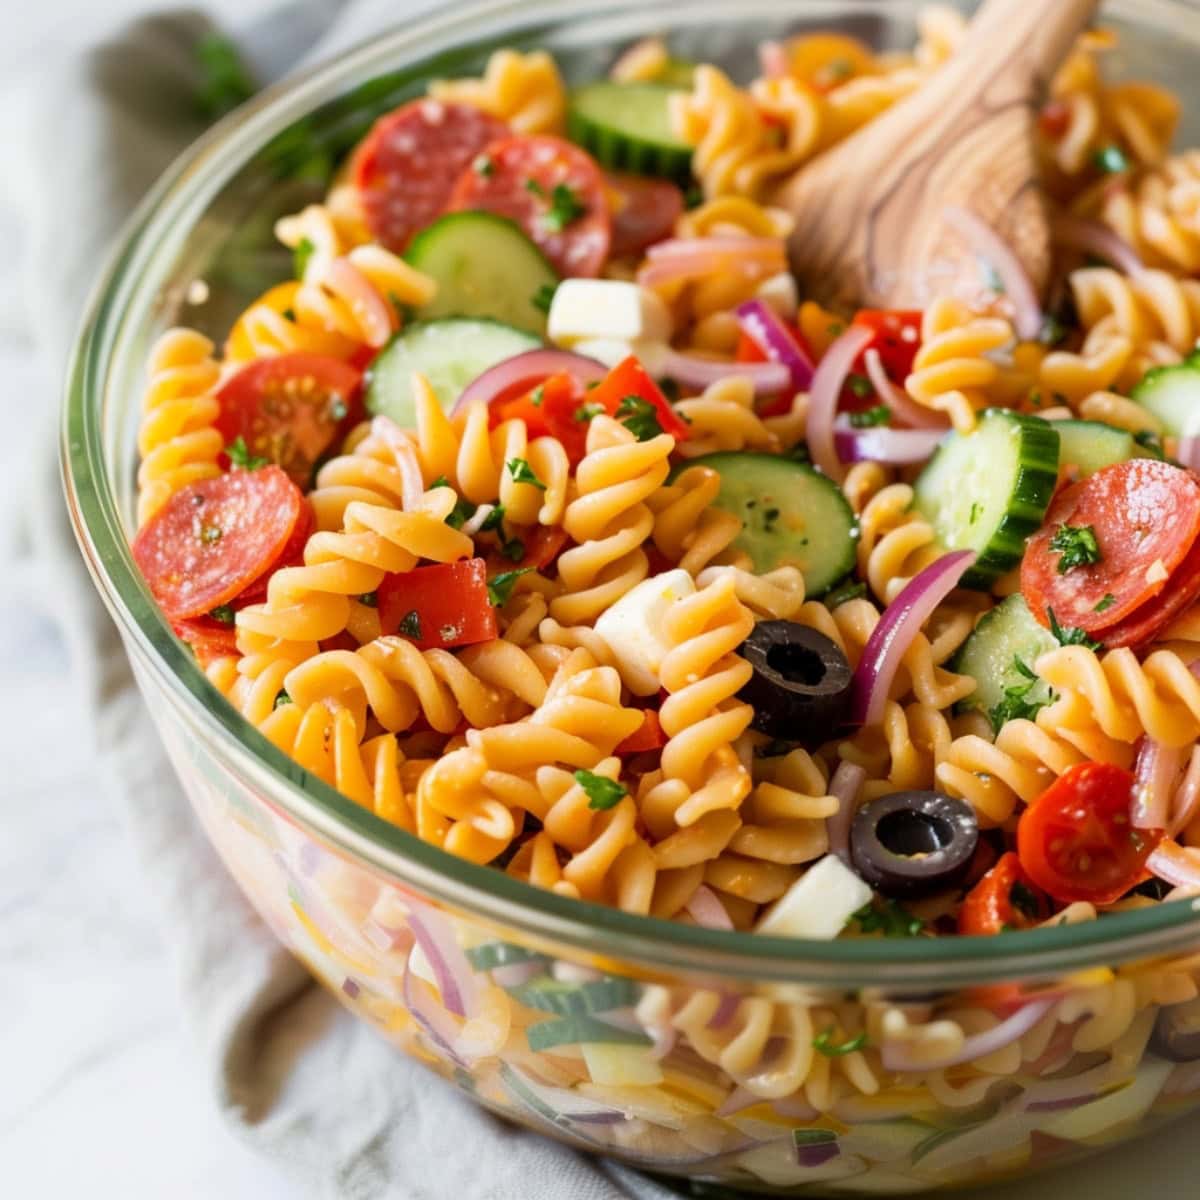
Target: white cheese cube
(606, 308)
(818, 904)
(633, 628)
(779, 291)
(611, 351)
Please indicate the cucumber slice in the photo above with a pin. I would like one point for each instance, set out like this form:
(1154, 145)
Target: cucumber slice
(569, 999)
(988, 490)
(484, 266)
(1005, 636)
(490, 955)
(627, 127)
(572, 1030)
(791, 515)
(449, 353)
(1092, 445)
(1173, 395)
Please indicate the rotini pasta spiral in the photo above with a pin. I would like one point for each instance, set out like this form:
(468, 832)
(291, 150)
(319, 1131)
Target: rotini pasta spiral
(894, 541)
(1158, 214)
(524, 90)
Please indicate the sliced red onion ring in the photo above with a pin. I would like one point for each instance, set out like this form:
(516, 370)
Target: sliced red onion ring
(998, 254)
(1154, 775)
(725, 1010)
(449, 964)
(1094, 238)
(898, 447)
(763, 326)
(817, 1154)
(846, 787)
(1186, 806)
(904, 408)
(897, 1056)
(1044, 1096)
(823, 397)
(530, 367)
(705, 909)
(431, 1016)
(900, 623)
(738, 245)
(768, 378)
(1188, 452)
(1178, 865)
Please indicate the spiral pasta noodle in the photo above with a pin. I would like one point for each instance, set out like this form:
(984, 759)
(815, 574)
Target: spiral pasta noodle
(524, 90)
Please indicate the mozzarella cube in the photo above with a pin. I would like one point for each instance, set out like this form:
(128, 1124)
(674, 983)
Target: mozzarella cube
(611, 351)
(818, 904)
(606, 308)
(633, 628)
(779, 291)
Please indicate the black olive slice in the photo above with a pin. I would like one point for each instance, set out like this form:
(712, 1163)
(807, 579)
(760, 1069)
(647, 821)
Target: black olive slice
(913, 843)
(800, 688)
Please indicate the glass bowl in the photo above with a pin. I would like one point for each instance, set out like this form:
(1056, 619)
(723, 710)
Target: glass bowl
(983, 1058)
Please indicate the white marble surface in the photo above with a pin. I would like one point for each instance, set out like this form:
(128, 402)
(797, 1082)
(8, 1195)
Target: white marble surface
(101, 1092)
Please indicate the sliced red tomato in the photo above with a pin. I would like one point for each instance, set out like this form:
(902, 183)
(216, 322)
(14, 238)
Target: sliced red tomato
(648, 735)
(1005, 898)
(288, 409)
(439, 606)
(897, 338)
(629, 378)
(1145, 515)
(644, 211)
(553, 190)
(549, 409)
(215, 537)
(1076, 842)
(539, 546)
(1145, 623)
(407, 165)
(209, 639)
(292, 555)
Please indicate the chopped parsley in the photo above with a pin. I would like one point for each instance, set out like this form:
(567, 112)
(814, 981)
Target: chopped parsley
(303, 251)
(225, 82)
(1076, 546)
(585, 412)
(500, 587)
(494, 519)
(1069, 636)
(513, 550)
(241, 458)
(693, 197)
(535, 188)
(565, 207)
(846, 590)
(369, 599)
(823, 1043)
(1104, 603)
(640, 417)
(879, 415)
(463, 509)
(601, 792)
(483, 166)
(543, 297)
(282, 698)
(410, 625)
(889, 918)
(538, 395)
(976, 512)
(223, 614)
(522, 472)
(1016, 705)
(1023, 900)
(1111, 160)
(861, 387)
(1052, 332)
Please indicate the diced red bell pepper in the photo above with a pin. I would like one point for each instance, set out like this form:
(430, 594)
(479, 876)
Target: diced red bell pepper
(897, 338)
(439, 606)
(648, 735)
(549, 410)
(629, 378)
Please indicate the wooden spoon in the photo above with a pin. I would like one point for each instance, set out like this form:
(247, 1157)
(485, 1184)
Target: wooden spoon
(871, 213)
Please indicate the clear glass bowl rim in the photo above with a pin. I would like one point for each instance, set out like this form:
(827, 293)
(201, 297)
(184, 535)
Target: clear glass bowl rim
(653, 944)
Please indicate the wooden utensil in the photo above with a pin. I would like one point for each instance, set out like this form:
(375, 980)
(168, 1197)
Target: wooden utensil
(871, 213)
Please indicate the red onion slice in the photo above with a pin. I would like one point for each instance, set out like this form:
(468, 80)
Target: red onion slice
(1186, 805)
(1093, 238)
(900, 623)
(898, 447)
(1178, 865)
(1154, 775)
(904, 408)
(705, 909)
(768, 378)
(1188, 452)
(998, 254)
(897, 1056)
(530, 368)
(453, 973)
(763, 327)
(432, 1017)
(823, 397)
(738, 245)
(845, 787)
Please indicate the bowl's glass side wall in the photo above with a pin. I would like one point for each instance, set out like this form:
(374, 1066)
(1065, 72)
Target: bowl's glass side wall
(703, 1076)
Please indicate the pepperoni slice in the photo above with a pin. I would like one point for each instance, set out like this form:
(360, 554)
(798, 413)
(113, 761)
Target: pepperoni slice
(406, 166)
(553, 190)
(288, 409)
(1145, 515)
(644, 211)
(292, 555)
(1144, 623)
(214, 538)
(208, 639)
